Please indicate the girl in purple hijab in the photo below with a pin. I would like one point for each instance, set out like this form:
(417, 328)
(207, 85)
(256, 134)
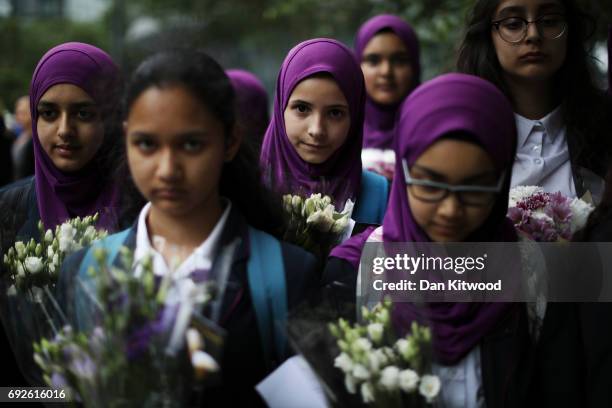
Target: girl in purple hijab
(388, 50)
(454, 130)
(313, 142)
(252, 105)
(73, 96)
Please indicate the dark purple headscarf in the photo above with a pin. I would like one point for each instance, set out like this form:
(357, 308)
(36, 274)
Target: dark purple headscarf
(380, 119)
(450, 103)
(284, 170)
(62, 195)
(252, 103)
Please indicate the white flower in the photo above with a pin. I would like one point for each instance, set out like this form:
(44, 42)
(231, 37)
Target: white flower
(48, 236)
(360, 373)
(389, 378)
(408, 380)
(361, 345)
(377, 359)
(519, 193)
(55, 259)
(344, 363)
(430, 387)
(407, 348)
(321, 219)
(20, 248)
(20, 270)
(367, 392)
(350, 384)
(194, 340)
(50, 252)
(348, 208)
(580, 213)
(340, 225)
(203, 363)
(375, 331)
(33, 264)
(67, 230)
(90, 233)
(65, 243)
(539, 215)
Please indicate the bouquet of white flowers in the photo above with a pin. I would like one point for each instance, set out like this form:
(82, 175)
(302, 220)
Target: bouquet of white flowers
(314, 224)
(387, 371)
(34, 266)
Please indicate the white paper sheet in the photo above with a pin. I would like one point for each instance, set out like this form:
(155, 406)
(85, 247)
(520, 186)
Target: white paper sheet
(292, 385)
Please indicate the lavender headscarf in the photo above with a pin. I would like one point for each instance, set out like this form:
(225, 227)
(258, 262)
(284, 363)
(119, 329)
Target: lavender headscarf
(449, 103)
(62, 195)
(252, 100)
(340, 175)
(380, 119)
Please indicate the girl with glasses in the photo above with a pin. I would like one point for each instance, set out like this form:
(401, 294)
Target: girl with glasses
(536, 52)
(456, 140)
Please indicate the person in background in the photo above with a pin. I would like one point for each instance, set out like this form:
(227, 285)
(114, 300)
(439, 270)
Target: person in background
(252, 106)
(22, 151)
(388, 50)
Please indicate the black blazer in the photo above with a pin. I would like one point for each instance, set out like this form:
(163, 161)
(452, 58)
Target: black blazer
(243, 364)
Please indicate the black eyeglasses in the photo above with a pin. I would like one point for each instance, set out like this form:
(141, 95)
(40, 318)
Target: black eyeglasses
(514, 29)
(434, 191)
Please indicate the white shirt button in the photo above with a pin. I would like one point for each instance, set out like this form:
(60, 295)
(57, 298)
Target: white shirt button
(537, 161)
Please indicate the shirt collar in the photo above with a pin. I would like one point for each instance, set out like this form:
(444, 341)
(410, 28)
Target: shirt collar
(552, 123)
(204, 252)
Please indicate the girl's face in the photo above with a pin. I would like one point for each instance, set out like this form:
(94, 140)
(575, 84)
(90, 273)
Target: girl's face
(537, 56)
(317, 119)
(176, 149)
(70, 128)
(452, 162)
(386, 69)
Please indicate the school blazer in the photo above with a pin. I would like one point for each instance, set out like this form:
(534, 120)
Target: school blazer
(243, 364)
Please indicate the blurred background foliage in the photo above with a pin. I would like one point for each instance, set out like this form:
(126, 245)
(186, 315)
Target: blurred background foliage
(250, 34)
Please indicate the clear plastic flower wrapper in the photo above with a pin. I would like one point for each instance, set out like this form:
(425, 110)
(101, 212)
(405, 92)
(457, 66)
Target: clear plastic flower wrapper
(367, 363)
(125, 335)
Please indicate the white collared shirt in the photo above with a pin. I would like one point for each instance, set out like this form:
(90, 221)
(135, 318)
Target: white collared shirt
(542, 156)
(201, 258)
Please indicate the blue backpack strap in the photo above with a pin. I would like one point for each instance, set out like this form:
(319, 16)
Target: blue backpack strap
(111, 244)
(266, 275)
(372, 201)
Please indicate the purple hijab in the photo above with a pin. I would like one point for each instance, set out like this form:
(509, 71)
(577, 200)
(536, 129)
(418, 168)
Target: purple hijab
(61, 195)
(449, 103)
(380, 119)
(252, 102)
(340, 175)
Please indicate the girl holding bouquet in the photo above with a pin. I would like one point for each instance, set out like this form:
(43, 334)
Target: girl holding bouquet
(313, 143)
(535, 51)
(74, 96)
(455, 132)
(204, 193)
(388, 50)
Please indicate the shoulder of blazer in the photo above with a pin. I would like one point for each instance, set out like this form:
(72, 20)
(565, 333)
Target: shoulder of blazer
(17, 204)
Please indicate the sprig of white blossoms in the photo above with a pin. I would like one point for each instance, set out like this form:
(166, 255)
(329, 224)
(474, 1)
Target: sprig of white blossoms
(37, 264)
(319, 212)
(377, 364)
